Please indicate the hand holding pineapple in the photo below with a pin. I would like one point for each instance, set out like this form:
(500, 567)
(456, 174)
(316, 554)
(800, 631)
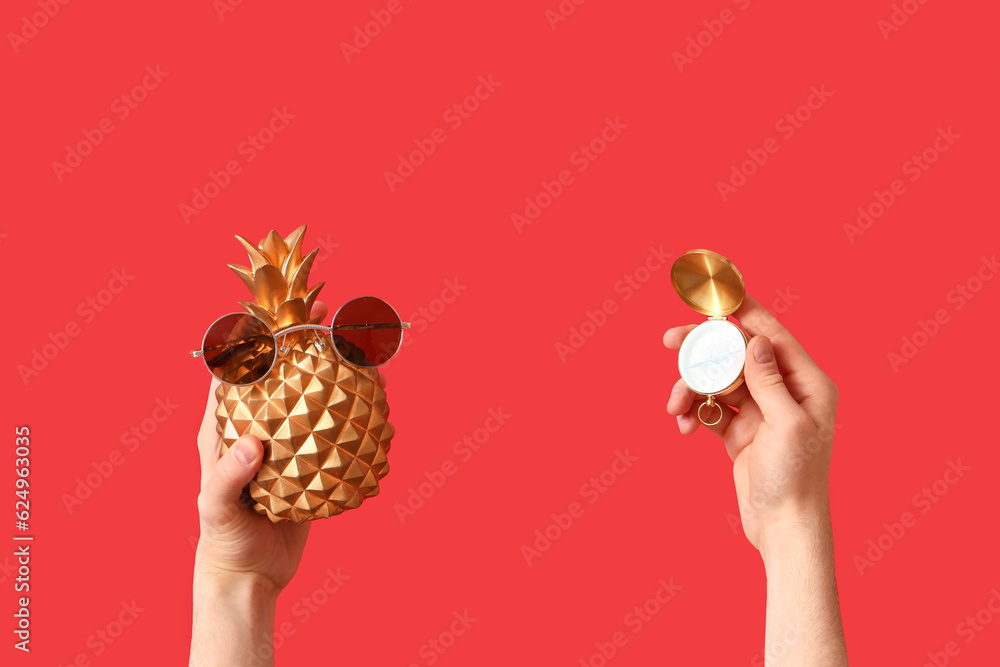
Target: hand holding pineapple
(235, 539)
(296, 431)
(244, 560)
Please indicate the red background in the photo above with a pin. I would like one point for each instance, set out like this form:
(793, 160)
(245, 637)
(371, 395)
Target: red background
(656, 185)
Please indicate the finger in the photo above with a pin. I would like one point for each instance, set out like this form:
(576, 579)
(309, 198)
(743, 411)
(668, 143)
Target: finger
(673, 338)
(759, 322)
(765, 382)
(681, 398)
(806, 382)
(735, 429)
(743, 429)
(319, 310)
(219, 502)
(688, 422)
(208, 435)
(208, 421)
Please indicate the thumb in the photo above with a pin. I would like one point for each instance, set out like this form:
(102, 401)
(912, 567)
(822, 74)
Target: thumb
(765, 382)
(220, 499)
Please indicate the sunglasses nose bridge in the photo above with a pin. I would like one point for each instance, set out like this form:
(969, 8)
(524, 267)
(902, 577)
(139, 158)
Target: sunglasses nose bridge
(317, 337)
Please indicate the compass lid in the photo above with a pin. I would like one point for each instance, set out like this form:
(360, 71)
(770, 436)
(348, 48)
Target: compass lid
(708, 282)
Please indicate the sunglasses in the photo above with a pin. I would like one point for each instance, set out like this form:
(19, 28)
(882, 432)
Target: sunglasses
(241, 349)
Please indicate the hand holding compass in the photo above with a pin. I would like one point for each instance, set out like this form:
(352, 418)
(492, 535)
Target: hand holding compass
(778, 428)
(777, 425)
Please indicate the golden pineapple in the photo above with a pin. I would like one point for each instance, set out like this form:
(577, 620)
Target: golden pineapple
(322, 421)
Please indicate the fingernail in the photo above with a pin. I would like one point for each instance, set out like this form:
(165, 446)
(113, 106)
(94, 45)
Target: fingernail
(245, 452)
(762, 351)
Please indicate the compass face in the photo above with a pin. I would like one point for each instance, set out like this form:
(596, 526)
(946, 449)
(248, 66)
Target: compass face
(712, 356)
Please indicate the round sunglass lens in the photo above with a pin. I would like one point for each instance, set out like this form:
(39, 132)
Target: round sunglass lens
(367, 331)
(239, 349)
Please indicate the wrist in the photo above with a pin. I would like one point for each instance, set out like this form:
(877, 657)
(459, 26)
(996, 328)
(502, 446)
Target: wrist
(804, 533)
(221, 582)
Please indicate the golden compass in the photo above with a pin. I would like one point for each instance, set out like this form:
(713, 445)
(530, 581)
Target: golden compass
(712, 356)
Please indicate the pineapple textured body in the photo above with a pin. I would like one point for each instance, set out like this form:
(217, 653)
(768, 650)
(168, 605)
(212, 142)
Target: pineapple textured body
(321, 420)
(324, 429)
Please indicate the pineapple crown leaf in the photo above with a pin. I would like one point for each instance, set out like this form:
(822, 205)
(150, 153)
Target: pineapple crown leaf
(245, 274)
(297, 282)
(278, 279)
(261, 312)
(294, 244)
(257, 259)
(311, 297)
(270, 287)
(274, 249)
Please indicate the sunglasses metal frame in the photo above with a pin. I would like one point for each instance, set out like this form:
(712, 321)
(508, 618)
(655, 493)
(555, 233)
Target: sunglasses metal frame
(282, 334)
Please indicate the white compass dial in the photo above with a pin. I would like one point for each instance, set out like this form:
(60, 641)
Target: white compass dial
(712, 356)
